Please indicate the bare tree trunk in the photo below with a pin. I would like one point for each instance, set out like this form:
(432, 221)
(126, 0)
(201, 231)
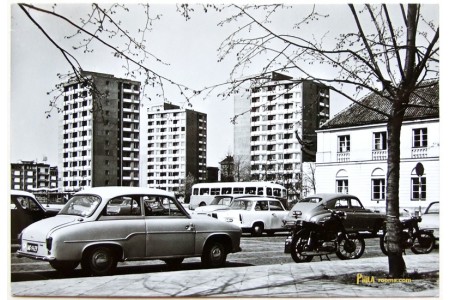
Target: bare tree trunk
(397, 267)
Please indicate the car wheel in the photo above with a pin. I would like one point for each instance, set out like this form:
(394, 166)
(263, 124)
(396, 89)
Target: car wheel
(64, 266)
(351, 248)
(99, 261)
(257, 229)
(214, 254)
(173, 262)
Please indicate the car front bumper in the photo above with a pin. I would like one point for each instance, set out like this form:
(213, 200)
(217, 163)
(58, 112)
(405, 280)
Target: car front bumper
(34, 256)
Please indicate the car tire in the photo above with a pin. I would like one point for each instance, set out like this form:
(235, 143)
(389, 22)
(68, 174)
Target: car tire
(99, 261)
(214, 254)
(257, 229)
(64, 266)
(173, 262)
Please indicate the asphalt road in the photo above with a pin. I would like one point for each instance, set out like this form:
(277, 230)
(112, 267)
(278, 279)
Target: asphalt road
(263, 250)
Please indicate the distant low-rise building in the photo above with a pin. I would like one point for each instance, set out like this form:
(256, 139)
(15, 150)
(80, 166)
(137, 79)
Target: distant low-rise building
(31, 175)
(352, 152)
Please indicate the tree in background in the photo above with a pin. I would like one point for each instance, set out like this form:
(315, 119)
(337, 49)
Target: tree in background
(242, 168)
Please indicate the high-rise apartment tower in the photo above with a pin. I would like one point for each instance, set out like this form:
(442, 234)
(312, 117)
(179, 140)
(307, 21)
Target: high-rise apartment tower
(99, 144)
(176, 147)
(284, 114)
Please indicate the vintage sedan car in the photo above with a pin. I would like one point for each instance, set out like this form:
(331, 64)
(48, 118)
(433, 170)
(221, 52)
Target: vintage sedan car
(430, 218)
(254, 214)
(25, 210)
(359, 219)
(100, 226)
(218, 203)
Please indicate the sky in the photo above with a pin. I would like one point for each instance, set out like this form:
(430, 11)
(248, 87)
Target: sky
(189, 46)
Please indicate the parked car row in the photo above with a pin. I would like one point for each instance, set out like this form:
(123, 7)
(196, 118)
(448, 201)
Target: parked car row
(99, 227)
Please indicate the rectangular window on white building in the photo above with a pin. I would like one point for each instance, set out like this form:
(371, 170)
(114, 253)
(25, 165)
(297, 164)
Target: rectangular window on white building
(419, 188)
(379, 141)
(344, 143)
(378, 189)
(420, 138)
(342, 186)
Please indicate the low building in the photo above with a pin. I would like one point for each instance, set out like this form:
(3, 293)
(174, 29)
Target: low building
(31, 175)
(352, 152)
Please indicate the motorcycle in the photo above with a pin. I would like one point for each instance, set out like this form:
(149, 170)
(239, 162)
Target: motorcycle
(326, 237)
(420, 241)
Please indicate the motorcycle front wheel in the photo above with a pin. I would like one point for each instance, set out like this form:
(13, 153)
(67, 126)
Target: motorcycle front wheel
(351, 248)
(423, 242)
(298, 244)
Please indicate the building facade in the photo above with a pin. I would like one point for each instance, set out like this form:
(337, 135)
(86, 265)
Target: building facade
(284, 114)
(99, 142)
(30, 175)
(176, 147)
(352, 153)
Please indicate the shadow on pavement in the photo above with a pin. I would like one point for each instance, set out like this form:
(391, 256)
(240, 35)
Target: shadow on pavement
(121, 270)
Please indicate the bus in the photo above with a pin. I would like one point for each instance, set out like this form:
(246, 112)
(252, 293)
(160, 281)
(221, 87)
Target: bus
(203, 193)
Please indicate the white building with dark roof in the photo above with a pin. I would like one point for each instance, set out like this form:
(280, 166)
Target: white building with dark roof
(352, 152)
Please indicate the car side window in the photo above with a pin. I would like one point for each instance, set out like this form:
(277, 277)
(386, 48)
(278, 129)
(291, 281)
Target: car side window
(261, 205)
(161, 206)
(275, 205)
(123, 206)
(27, 203)
(341, 203)
(355, 204)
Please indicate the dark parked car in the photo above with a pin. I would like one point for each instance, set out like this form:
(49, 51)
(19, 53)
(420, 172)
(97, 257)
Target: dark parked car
(25, 210)
(359, 219)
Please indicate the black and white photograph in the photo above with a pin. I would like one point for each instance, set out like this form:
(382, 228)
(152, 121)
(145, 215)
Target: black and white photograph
(223, 150)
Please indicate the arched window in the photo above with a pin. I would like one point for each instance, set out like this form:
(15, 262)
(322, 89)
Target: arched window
(342, 182)
(418, 186)
(378, 185)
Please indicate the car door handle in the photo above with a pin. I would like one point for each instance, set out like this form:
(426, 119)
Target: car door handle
(190, 227)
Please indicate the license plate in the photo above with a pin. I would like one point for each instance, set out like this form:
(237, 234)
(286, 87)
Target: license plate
(32, 248)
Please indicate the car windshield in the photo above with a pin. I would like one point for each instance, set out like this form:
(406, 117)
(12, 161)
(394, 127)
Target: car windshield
(221, 201)
(241, 204)
(81, 205)
(433, 208)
